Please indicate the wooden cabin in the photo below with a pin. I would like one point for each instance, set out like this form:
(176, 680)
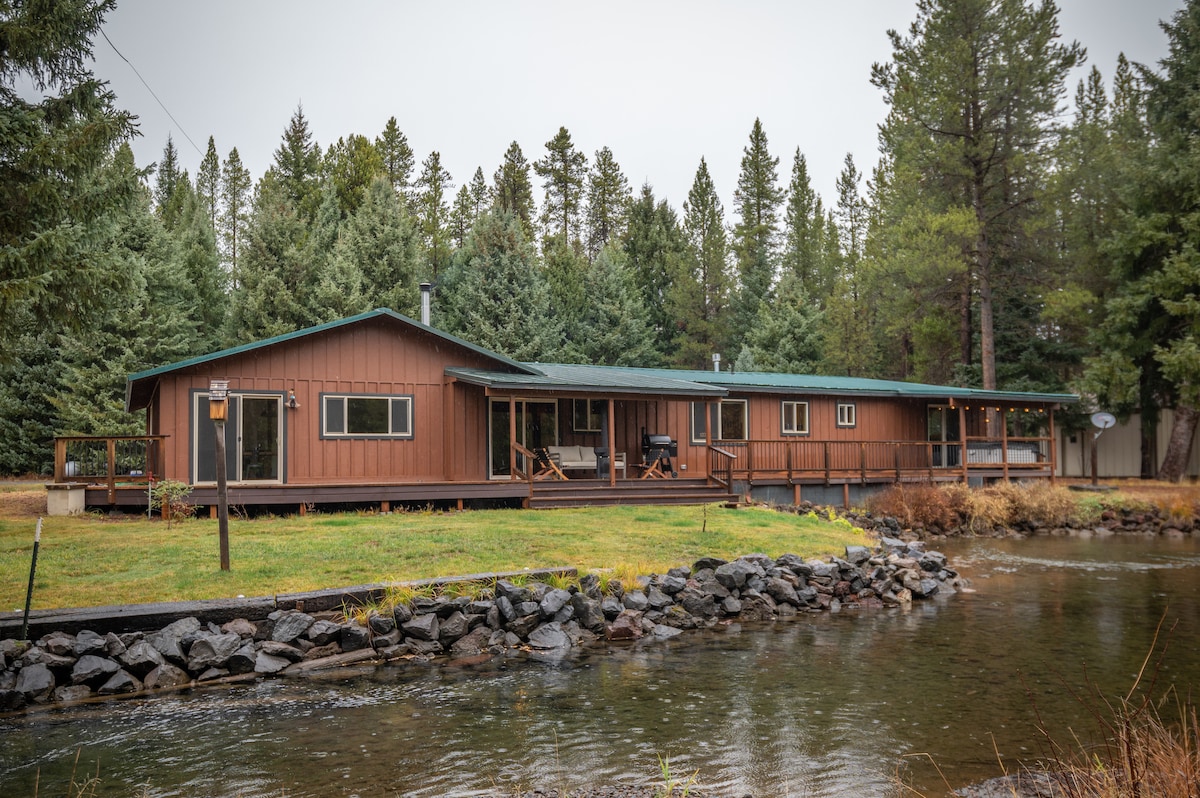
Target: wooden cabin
(381, 409)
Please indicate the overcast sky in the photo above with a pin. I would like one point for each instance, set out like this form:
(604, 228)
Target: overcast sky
(660, 83)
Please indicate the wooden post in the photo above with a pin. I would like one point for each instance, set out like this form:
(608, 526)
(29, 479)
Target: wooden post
(611, 443)
(1053, 448)
(1004, 442)
(962, 443)
(845, 495)
(218, 411)
(512, 438)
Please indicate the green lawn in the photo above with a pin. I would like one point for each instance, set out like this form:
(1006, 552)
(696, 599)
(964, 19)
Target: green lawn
(90, 560)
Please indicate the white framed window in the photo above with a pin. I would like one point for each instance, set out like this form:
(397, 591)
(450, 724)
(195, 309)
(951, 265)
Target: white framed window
(366, 416)
(795, 418)
(847, 415)
(587, 415)
(732, 420)
(699, 429)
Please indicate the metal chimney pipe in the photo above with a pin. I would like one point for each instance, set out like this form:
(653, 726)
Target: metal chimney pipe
(426, 289)
(717, 362)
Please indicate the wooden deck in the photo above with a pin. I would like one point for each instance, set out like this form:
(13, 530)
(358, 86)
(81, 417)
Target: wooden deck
(117, 472)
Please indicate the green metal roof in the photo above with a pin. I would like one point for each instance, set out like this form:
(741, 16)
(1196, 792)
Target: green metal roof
(613, 379)
(139, 386)
(821, 384)
(590, 379)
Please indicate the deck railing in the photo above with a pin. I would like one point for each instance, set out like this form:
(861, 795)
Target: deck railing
(876, 460)
(115, 461)
(720, 466)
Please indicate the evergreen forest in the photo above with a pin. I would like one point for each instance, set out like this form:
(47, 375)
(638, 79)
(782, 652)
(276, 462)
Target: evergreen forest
(1018, 233)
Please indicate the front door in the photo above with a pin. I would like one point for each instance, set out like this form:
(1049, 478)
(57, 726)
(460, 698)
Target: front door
(943, 431)
(253, 439)
(537, 426)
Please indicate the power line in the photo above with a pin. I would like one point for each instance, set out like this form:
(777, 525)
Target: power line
(152, 94)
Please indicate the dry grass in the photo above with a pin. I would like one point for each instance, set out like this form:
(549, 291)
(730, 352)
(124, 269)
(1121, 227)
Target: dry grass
(915, 505)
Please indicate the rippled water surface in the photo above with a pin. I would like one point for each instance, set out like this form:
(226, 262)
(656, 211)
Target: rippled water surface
(820, 705)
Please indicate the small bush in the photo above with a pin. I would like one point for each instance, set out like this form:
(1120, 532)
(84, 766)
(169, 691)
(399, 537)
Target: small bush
(913, 505)
(171, 499)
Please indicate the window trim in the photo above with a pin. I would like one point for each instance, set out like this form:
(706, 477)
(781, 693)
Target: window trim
(784, 405)
(847, 415)
(589, 413)
(698, 434)
(390, 398)
(745, 419)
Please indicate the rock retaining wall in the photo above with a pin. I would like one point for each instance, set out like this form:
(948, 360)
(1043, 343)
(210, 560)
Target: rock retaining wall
(532, 620)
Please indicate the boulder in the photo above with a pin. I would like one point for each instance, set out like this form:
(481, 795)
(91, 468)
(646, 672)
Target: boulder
(35, 682)
(635, 600)
(355, 637)
(381, 624)
(711, 563)
(323, 632)
(472, 644)
(611, 607)
(782, 591)
(113, 646)
(525, 624)
(452, 628)
(697, 602)
(240, 627)
(120, 682)
(733, 575)
(141, 658)
(672, 584)
(70, 693)
(59, 643)
(657, 599)
(91, 669)
(549, 636)
(88, 642)
(166, 676)
(553, 601)
(212, 651)
(587, 612)
(268, 664)
(422, 627)
(857, 554)
(626, 626)
(664, 632)
(242, 660)
(289, 625)
(274, 649)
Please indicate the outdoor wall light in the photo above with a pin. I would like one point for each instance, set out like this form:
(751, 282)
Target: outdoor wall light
(291, 400)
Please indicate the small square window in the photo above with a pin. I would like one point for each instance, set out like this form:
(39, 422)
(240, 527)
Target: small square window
(846, 415)
(587, 415)
(732, 421)
(795, 418)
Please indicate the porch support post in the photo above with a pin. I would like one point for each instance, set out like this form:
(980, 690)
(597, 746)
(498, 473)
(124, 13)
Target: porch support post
(512, 437)
(1053, 448)
(611, 444)
(962, 435)
(1004, 442)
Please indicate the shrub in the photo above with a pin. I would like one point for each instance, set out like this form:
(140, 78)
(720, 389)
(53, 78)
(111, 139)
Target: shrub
(171, 498)
(913, 505)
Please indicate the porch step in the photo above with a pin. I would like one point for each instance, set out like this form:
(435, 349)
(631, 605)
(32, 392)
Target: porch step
(585, 493)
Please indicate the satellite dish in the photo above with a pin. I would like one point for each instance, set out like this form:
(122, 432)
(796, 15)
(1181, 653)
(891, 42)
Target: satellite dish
(1103, 420)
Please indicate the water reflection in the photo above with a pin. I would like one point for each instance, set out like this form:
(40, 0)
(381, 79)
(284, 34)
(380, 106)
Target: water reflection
(819, 705)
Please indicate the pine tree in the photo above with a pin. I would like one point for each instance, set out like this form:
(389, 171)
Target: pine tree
(433, 214)
(654, 251)
(208, 183)
(298, 165)
(756, 201)
(195, 252)
(699, 296)
(235, 207)
(1150, 336)
(849, 347)
(398, 158)
(786, 336)
(495, 294)
(973, 91)
(614, 327)
(608, 200)
(803, 251)
(380, 241)
(274, 291)
(513, 191)
(167, 176)
(351, 164)
(481, 195)
(55, 189)
(462, 216)
(563, 171)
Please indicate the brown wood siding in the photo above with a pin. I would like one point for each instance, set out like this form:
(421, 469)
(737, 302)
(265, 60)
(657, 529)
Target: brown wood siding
(369, 358)
(876, 418)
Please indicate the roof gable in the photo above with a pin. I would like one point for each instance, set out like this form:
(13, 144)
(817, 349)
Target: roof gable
(139, 387)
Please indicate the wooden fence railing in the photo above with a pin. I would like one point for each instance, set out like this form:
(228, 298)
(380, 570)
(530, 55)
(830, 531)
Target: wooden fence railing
(116, 461)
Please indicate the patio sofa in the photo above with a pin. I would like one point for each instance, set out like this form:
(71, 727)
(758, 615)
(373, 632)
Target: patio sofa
(582, 458)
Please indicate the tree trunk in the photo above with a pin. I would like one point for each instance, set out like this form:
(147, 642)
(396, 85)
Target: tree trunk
(1179, 445)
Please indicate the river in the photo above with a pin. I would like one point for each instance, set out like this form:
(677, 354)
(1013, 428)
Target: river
(847, 703)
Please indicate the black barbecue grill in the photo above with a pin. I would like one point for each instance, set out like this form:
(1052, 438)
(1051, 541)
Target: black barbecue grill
(658, 450)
